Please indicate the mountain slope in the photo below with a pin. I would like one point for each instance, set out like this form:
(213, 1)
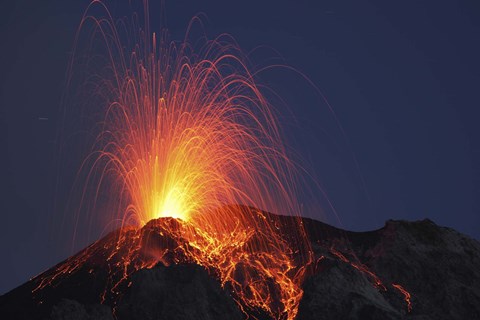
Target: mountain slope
(405, 270)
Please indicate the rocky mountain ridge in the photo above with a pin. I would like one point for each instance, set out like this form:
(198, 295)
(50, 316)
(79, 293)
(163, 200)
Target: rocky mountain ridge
(405, 270)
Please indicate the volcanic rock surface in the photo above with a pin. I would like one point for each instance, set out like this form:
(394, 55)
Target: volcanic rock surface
(405, 270)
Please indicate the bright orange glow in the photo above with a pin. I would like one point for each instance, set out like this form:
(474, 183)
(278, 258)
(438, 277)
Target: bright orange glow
(187, 133)
(406, 295)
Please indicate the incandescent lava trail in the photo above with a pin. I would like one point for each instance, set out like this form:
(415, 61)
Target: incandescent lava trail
(186, 133)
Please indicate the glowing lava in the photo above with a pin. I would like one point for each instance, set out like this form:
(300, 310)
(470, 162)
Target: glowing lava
(406, 295)
(186, 132)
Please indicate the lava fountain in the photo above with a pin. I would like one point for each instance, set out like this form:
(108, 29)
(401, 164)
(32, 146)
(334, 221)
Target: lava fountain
(186, 133)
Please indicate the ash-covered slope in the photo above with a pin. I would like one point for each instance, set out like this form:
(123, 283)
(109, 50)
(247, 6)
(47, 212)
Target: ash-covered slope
(405, 270)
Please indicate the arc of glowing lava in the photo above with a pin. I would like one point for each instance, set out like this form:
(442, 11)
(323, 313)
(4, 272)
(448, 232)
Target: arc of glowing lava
(185, 132)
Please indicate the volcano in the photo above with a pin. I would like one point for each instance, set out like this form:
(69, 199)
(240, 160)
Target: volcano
(405, 270)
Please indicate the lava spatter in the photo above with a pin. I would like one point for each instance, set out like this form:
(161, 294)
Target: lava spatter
(185, 134)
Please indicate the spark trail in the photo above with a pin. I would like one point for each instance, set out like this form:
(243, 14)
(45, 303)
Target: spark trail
(186, 133)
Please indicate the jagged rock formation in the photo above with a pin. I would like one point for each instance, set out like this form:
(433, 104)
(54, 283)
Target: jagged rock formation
(405, 270)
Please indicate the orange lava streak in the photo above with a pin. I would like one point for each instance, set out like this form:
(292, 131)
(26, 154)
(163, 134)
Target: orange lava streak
(360, 267)
(406, 295)
(185, 133)
(376, 280)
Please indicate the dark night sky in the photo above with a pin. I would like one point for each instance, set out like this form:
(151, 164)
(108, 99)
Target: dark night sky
(403, 78)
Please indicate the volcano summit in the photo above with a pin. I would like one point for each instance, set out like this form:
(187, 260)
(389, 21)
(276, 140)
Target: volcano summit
(406, 270)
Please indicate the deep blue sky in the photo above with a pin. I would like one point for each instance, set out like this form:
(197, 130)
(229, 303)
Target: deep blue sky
(403, 78)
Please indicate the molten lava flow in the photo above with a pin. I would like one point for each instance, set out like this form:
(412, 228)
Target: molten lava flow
(406, 294)
(374, 278)
(360, 267)
(186, 132)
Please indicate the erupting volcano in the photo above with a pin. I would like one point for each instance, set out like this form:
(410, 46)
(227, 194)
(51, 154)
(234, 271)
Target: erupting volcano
(187, 160)
(187, 134)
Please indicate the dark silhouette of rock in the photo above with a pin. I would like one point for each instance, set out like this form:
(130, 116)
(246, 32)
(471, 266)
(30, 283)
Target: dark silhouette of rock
(176, 292)
(73, 310)
(438, 266)
(405, 270)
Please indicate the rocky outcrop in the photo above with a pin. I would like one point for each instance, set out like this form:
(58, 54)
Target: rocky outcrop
(406, 270)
